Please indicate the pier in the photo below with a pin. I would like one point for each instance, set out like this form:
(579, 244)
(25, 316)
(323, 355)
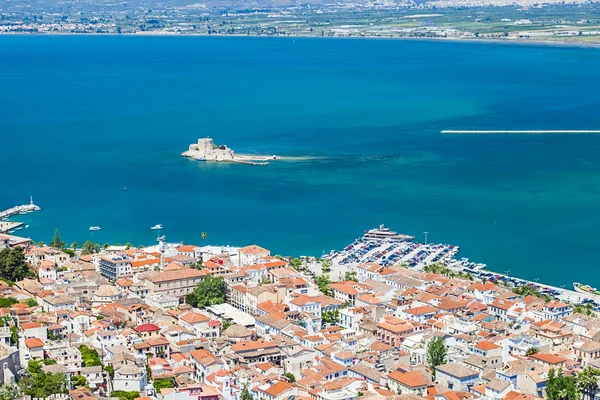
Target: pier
(24, 209)
(524, 132)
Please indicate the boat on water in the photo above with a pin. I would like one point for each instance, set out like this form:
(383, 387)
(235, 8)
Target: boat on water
(587, 289)
(156, 227)
(26, 226)
(386, 233)
(94, 228)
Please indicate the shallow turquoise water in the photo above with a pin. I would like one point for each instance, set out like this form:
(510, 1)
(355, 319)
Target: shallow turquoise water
(82, 117)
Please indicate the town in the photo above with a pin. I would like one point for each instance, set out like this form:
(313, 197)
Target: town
(385, 318)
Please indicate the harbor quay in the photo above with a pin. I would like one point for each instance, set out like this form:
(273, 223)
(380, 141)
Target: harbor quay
(385, 317)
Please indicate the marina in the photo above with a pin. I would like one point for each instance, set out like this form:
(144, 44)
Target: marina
(388, 248)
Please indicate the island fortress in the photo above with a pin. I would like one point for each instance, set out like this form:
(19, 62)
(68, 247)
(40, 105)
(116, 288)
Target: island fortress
(207, 150)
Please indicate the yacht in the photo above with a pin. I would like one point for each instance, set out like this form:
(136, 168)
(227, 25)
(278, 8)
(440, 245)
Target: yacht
(386, 233)
(94, 228)
(156, 227)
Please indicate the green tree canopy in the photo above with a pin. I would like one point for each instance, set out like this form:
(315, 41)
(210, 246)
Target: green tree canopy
(78, 381)
(31, 302)
(57, 242)
(350, 276)
(326, 265)
(526, 290)
(42, 384)
(323, 283)
(6, 302)
(11, 392)
(296, 263)
(245, 395)
(210, 291)
(587, 382)
(290, 377)
(163, 383)
(436, 353)
(13, 265)
(560, 387)
(89, 356)
(531, 351)
(123, 395)
(89, 248)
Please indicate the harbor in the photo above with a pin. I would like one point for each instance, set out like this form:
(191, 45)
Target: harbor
(388, 248)
(7, 226)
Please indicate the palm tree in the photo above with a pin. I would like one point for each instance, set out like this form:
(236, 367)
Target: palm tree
(74, 246)
(204, 235)
(587, 381)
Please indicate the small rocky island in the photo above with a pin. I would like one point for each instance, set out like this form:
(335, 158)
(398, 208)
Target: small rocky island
(207, 150)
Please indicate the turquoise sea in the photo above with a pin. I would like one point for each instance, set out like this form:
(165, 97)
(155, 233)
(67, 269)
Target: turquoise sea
(83, 116)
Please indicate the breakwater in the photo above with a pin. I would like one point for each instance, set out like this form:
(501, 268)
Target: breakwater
(525, 132)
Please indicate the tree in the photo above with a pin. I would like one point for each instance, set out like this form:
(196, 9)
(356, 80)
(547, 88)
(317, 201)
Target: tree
(585, 309)
(291, 378)
(42, 384)
(13, 265)
(31, 302)
(128, 245)
(49, 361)
(226, 324)
(323, 283)
(6, 302)
(326, 265)
(197, 265)
(14, 335)
(163, 383)
(526, 290)
(89, 248)
(331, 317)
(245, 395)
(531, 351)
(11, 392)
(74, 246)
(57, 242)
(123, 395)
(210, 291)
(296, 263)
(89, 357)
(560, 387)
(110, 370)
(350, 276)
(105, 246)
(587, 382)
(436, 353)
(78, 380)
(438, 268)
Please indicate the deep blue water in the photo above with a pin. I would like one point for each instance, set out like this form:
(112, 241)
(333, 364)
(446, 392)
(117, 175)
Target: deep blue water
(82, 117)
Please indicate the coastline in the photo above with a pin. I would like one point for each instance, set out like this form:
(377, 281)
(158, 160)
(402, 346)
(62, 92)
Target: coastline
(469, 40)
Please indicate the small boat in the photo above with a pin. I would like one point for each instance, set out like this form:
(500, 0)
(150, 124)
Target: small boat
(94, 228)
(156, 227)
(26, 226)
(124, 188)
(587, 289)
